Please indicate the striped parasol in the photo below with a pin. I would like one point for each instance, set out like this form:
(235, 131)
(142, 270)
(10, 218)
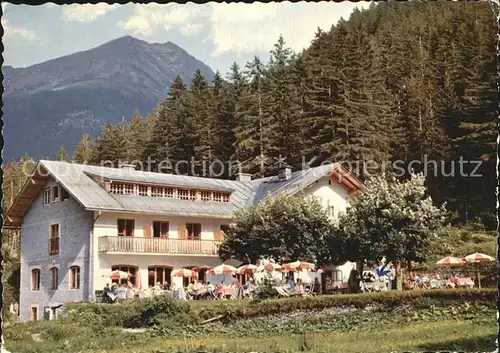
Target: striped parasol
(118, 275)
(478, 257)
(246, 269)
(270, 267)
(298, 265)
(450, 261)
(184, 272)
(201, 268)
(223, 270)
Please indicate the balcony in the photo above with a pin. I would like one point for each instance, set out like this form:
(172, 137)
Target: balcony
(140, 245)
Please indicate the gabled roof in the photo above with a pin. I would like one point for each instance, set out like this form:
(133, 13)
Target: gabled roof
(81, 182)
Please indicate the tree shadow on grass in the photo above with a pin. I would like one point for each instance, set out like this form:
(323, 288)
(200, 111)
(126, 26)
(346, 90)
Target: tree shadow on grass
(477, 344)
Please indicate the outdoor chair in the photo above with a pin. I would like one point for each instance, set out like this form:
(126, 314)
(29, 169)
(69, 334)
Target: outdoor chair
(281, 292)
(310, 291)
(291, 293)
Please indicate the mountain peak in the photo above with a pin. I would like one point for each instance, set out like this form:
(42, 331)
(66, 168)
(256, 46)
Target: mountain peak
(96, 85)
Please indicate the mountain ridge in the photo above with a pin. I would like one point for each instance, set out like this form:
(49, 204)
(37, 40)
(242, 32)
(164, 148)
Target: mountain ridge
(53, 103)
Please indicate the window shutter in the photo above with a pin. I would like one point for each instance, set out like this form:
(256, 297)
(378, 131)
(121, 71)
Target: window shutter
(182, 233)
(218, 235)
(147, 231)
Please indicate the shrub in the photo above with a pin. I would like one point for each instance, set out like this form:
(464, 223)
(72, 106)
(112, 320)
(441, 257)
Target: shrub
(131, 314)
(265, 288)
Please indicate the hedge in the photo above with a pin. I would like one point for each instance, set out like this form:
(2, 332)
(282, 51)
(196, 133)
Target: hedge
(168, 312)
(389, 300)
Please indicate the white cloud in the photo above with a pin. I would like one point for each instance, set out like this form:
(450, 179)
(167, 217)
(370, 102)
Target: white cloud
(14, 31)
(85, 13)
(147, 19)
(240, 27)
(247, 28)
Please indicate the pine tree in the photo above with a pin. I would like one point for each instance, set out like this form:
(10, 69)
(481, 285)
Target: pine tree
(86, 151)
(110, 146)
(62, 155)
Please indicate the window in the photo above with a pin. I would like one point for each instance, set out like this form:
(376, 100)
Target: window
(54, 239)
(156, 192)
(160, 229)
(74, 277)
(64, 194)
(225, 197)
(128, 189)
(194, 231)
(142, 190)
(183, 194)
(224, 228)
(55, 193)
(132, 270)
(126, 227)
(206, 196)
(46, 196)
(35, 279)
(116, 188)
(217, 196)
(55, 278)
(169, 192)
(330, 210)
(161, 274)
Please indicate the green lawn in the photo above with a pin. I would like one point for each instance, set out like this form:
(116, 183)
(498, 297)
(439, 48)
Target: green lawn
(446, 335)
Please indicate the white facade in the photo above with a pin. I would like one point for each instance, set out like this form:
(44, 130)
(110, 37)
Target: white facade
(333, 197)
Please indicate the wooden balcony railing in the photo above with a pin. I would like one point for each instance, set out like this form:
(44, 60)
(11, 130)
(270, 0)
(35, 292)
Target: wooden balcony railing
(54, 246)
(157, 245)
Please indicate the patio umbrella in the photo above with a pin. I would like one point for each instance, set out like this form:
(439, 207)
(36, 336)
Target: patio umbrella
(450, 261)
(184, 272)
(245, 269)
(478, 258)
(118, 275)
(297, 266)
(223, 270)
(270, 267)
(201, 268)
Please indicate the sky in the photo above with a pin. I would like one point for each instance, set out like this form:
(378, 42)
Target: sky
(217, 34)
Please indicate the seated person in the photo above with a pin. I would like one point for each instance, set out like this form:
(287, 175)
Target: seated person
(210, 287)
(299, 288)
(190, 287)
(197, 286)
(219, 291)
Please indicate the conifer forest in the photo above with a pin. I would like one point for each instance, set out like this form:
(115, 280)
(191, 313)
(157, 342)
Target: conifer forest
(400, 81)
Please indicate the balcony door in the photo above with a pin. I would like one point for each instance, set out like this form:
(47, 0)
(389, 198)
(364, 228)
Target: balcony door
(126, 234)
(126, 227)
(193, 231)
(160, 229)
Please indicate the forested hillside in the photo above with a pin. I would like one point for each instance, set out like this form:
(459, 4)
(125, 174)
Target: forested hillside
(400, 82)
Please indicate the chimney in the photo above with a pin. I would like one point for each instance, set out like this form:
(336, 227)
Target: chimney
(285, 173)
(243, 177)
(129, 167)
